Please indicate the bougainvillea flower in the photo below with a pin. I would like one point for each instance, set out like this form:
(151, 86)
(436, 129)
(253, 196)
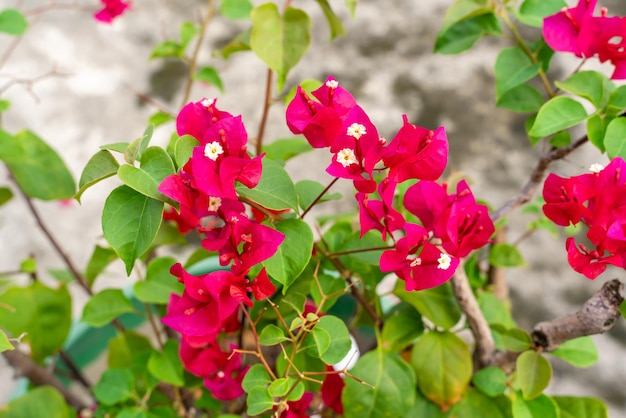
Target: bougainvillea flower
(416, 153)
(565, 198)
(111, 10)
(610, 44)
(590, 263)
(248, 243)
(206, 303)
(319, 122)
(195, 118)
(357, 149)
(201, 360)
(225, 383)
(221, 160)
(380, 214)
(331, 390)
(573, 29)
(416, 261)
(457, 220)
(297, 409)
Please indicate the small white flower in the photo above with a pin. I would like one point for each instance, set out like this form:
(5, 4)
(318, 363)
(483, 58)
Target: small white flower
(356, 130)
(444, 261)
(214, 203)
(213, 150)
(207, 102)
(332, 84)
(596, 168)
(346, 157)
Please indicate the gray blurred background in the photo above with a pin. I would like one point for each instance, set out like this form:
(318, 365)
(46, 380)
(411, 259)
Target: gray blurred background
(385, 60)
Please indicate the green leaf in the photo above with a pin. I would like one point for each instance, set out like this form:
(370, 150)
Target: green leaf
(351, 5)
(100, 259)
(614, 138)
(533, 374)
(209, 76)
(156, 165)
(239, 44)
(323, 287)
(183, 149)
(159, 118)
(62, 275)
(617, 101)
(99, 167)
(492, 381)
(464, 9)
(187, 31)
(37, 168)
(43, 401)
(4, 105)
(5, 195)
(334, 23)
(271, 335)
(540, 407)
(401, 329)
(513, 68)
(135, 149)
(522, 98)
(114, 386)
(463, 35)
(309, 190)
(286, 148)
(125, 347)
(117, 147)
(514, 339)
(589, 85)
(443, 365)
(166, 365)
(130, 222)
(622, 308)
(236, 9)
(308, 85)
(259, 400)
(437, 304)
(279, 387)
(475, 404)
(29, 265)
(5, 344)
(44, 314)
(505, 255)
(13, 22)
(495, 310)
(596, 129)
(557, 114)
(580, 352)
(329, 340)
(105, 306)
(257, 376)
(275, 189)
(293, 254)
(167, 49)
(392, 394)
(574, 407)
(159, 283)
(132, 412)
(561, 139)
(532, 12)
(280, 41)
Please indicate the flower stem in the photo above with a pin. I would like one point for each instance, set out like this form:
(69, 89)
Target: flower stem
(266, 108)
(319, 197)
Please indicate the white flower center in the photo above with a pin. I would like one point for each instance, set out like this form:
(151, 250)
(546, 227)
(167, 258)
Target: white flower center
(214, 203)
(332, 84)
(416, 262)
(356, 130)
(444, 261)
(213, 150)
(346, 157)
(596, 168)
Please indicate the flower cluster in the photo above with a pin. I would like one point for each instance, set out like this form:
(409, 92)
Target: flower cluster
(578, 31)
(204, 188)
(452, 225)
(598, 200)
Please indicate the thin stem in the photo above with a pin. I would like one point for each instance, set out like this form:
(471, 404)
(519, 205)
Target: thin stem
(76, 372)
(529, 53)
(259, 353)
(266, 108)
(319, 197)
(154, 326)
(485, 345)
(193, 62)
(359, 250)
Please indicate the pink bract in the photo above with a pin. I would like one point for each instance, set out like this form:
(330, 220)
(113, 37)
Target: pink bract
(111, 10)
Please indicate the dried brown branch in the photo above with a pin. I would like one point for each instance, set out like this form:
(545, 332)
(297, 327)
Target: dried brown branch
(39, 376)
(485, 345)
(598, 315)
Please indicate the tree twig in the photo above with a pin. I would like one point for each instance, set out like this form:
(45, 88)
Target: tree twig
(485, 345)
(39, 376)
(266, 108)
